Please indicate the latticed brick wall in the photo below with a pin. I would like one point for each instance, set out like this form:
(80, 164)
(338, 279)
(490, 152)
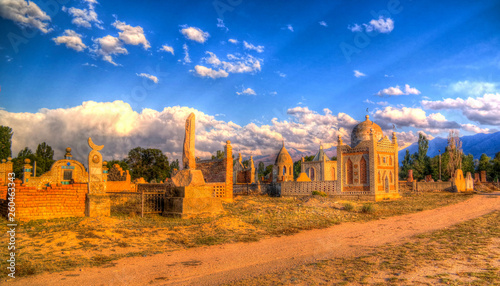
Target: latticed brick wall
(292, 188)
(47, 203)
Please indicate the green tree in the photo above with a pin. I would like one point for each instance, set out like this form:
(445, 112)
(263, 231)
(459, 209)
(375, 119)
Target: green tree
(406, 165)
(218, 155)
(44, 157)
(174, 165)
(18, 162)
(122, 163)
(297, 166)
(151, 164)
(496, 167)
(468, 164)
(5, 142)
(485, 164)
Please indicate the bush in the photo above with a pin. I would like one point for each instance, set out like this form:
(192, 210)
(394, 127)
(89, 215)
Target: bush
(367, 208)
(319, 193)
(348, 207)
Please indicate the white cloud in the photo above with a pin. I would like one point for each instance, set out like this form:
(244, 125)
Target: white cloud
(258, 49)
(233, 41)
(84, 17)
(411, 90)
(8, 58)
(485, 109)
(131, 35)
(89, 65)
(413, 117)
(108, 46)
(358, 73)
(208, 72)
(167, 49)
(368, 101)
(235, 64)
(395, 91)
(119, 128)
(323, 23)
(386, 75)
(281, 74)
(25, 14)
(473, 88)
(382, 25)
(187, 59)
(72, 40)
(288, 27)
(474, 128)
(148, 76)
(273, 93)
(247, 91)
(220, 24)
(355, 28)
(195, 34)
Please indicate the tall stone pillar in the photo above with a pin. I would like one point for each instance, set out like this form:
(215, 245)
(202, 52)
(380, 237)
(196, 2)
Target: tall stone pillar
(189, 195)
(26, 171)
(97, 202)
(228, 163)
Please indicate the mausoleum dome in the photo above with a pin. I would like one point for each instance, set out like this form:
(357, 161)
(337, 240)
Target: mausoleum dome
(361, 132)
(283, 157)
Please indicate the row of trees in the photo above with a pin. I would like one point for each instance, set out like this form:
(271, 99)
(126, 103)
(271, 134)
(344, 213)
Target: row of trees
(451, 159)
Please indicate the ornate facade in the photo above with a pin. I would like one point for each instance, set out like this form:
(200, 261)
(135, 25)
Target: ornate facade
(369, 167)
(321, 168)
(283, 166)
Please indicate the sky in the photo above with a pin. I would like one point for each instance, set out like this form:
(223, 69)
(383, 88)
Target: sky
(128, 73)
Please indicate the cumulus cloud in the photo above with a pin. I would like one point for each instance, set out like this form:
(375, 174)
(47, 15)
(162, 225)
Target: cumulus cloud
(72, 40)
(474, 128)
(108, 46)
(413, 117)
(25, 14)
(484, 110)
(167, 49)
(234, 63)
(208, 72)
(323, 23)
(119, 128)
(395, 91)
(247, 91)
(358, 73)
(148, 76)
(233, 41)
(258, 49)
(473, 88)
(380, 25)
(84, 17)
(131, 35)
(195, 34)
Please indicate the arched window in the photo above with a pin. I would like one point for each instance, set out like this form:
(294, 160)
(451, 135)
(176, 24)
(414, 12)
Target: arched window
(362, 171)
(390, 160)
(312, 174)
(284, 170)
(349, 171)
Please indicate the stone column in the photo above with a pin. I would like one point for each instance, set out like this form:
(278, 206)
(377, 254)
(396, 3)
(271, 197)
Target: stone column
(26, 171)
(188, 159)
(228, 162)
(98, 202)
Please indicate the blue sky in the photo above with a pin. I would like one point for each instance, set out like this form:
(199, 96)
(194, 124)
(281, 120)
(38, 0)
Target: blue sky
(258, 71)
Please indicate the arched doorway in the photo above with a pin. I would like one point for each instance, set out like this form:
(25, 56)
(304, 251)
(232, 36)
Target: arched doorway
(386, 187)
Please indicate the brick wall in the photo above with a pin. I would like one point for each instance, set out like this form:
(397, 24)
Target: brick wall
(213, 170)
(47, 203)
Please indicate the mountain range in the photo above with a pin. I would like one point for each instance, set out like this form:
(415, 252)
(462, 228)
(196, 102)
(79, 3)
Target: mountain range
(474, 144)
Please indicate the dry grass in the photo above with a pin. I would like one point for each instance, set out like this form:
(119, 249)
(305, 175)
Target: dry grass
(69, 243)
(466, 254)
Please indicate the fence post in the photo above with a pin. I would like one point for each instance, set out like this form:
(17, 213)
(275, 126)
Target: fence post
(142, 203)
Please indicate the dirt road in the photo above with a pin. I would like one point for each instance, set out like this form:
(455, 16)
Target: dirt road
(224, 263)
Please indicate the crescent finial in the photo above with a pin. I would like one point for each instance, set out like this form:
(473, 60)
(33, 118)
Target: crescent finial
(93, 146)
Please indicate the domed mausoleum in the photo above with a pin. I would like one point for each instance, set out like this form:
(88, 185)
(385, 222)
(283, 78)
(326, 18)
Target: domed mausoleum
(369, 167)
(283, 166)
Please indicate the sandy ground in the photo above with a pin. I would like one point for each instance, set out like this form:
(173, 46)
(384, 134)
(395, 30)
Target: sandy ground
(231, 262)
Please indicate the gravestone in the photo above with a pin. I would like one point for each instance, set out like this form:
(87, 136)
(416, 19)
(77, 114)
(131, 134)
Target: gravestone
(483, 176)
(469, 183)
(410, 176)
(459, 181)
(189, 195)
(476, 178)
(97, 201)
